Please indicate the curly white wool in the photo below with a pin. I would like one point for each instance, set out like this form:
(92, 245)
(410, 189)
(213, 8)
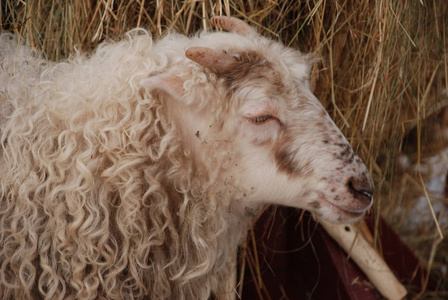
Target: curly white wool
(99, 199)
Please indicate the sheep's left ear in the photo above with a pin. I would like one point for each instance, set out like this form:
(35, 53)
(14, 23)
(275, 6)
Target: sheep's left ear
(171, 85)
(217, 61)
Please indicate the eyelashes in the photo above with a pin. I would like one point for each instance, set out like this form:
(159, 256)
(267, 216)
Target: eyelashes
(261, 119)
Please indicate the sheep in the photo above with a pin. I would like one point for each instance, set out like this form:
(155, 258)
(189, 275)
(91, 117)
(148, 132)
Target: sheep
(135, 171)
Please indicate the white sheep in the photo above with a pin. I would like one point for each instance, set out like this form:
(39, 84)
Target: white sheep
(134, 172)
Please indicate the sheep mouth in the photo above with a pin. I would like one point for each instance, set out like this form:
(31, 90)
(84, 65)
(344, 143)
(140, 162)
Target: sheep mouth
(346, 211)
(349, 213)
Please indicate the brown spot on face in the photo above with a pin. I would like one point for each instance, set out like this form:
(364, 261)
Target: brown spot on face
(251, 66)
(285, 159)
(315, 205)
(347, 155)
(285, 162)
(326, 138)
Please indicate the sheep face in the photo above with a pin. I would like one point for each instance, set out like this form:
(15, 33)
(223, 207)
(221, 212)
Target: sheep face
(293, 154)
(282, 146)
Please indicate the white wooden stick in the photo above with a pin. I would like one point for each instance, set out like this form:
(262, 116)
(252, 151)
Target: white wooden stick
(367, 258)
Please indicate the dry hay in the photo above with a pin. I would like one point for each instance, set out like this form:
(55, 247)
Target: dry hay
(383, 77)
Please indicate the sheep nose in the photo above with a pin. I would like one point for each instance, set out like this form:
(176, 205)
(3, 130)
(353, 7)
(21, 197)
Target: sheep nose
(362, 189)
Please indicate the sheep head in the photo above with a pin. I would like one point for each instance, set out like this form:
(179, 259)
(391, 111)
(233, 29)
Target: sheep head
(283, 146)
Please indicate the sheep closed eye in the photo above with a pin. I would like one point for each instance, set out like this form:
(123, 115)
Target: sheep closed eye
(260, 119)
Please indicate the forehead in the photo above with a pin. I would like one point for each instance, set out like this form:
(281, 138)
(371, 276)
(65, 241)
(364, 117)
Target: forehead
(276, 74)
(292, 63)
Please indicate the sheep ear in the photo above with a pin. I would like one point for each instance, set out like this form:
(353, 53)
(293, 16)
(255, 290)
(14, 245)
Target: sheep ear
(217, 61)
(170, 84)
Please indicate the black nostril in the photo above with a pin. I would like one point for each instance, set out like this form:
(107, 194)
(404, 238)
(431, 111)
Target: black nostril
(360, 190)
(366, 193)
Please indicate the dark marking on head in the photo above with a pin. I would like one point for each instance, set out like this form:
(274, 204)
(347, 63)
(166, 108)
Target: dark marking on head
(315, 205)
(285, 157)
(347, 155)
(252, 66)
(285, 162)
(326, 137)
